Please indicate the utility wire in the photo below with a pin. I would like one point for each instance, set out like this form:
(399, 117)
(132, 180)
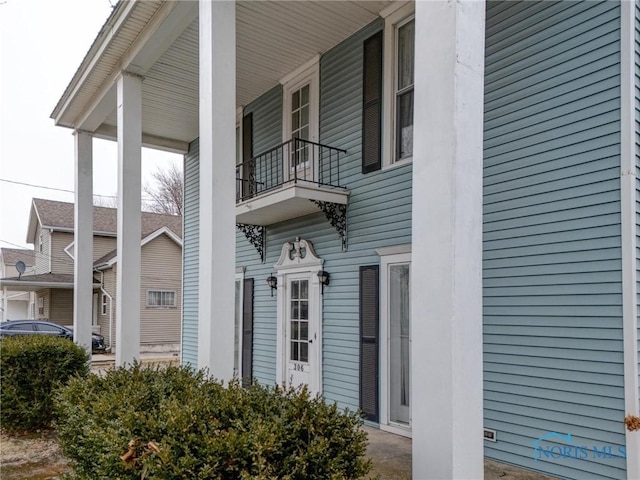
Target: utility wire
(56, 189)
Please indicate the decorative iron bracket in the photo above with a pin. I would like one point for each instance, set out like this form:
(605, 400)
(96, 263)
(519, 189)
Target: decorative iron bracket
(256, 235)
(336, 214)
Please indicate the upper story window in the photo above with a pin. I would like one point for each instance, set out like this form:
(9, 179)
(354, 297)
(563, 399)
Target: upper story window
(40, 243)
(399, 58)
(405, 34)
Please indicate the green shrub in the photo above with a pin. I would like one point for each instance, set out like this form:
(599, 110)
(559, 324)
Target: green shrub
(30, 368)
(173, 423)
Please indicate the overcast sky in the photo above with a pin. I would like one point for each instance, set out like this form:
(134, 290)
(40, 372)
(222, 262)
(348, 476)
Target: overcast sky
(42, 43)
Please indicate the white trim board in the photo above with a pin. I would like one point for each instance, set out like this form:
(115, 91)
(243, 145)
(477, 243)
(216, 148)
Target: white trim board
(628, 212)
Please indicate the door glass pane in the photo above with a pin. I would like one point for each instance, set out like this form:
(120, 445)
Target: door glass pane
(300, 125)
(295, 120)
(298, 322)
(399, 308)
(295, 100)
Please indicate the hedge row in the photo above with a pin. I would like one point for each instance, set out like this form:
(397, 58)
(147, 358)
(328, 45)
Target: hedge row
(174, 423)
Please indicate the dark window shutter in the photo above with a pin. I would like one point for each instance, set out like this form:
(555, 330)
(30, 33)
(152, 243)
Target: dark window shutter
(369, 328)
(248, 172)
(247, 331)
(372, 104)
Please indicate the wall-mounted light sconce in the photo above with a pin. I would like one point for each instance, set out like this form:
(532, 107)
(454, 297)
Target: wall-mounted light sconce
(324, 279)
(273, 283)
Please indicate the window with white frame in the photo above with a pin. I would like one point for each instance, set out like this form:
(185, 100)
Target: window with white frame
(399, 61)
(104, 304)
(405, 34)
(40, 305)
(40, 243)
(161, 298)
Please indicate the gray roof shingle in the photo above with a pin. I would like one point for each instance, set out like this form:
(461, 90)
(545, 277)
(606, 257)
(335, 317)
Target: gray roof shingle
(12, 255)
(53, 213)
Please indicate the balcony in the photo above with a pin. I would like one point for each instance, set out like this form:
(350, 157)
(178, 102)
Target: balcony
(295, 178)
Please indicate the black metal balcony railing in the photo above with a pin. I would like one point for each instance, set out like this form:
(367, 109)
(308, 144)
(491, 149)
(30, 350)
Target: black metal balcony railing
(290, 162)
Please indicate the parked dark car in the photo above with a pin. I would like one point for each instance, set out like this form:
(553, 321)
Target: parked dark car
(39, 327)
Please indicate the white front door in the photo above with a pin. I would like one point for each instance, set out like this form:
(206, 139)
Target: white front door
(301, 330)
(299, 307)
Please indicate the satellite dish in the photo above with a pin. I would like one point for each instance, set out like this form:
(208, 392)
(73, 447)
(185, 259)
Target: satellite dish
(20, 267)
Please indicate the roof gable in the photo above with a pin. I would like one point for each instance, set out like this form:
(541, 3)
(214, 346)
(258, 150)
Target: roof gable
(111, 258)
(57, 215)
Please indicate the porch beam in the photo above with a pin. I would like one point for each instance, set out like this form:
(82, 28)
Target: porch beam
(446, 358)
(129, 222)
(83, 240)
(217, 187)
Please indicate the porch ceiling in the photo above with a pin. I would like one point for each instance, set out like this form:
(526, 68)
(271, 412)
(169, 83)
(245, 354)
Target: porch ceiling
(272, 37)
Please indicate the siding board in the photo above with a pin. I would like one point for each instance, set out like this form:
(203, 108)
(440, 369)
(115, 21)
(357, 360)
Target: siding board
(190, 256)
(551, 244)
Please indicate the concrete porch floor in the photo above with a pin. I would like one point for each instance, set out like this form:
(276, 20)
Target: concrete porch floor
(391, 457)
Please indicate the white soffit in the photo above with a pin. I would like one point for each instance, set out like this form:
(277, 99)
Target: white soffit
(273, 38)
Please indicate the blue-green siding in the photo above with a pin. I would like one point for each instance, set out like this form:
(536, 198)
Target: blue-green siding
(552, 241)
(553, 357)
(190, 254)
(368, 227)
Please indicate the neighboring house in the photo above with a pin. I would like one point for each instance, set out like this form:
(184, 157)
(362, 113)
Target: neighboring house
(16, 305)
(160, 293)
(464, 172)
(51, 226)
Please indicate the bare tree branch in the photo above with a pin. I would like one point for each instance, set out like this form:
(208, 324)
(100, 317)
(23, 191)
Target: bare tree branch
(168, 193)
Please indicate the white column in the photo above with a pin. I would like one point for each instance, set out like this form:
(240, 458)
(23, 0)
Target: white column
(446, 299)
(83, 240)
(628, 220)
(217, 187)
(129, 228)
